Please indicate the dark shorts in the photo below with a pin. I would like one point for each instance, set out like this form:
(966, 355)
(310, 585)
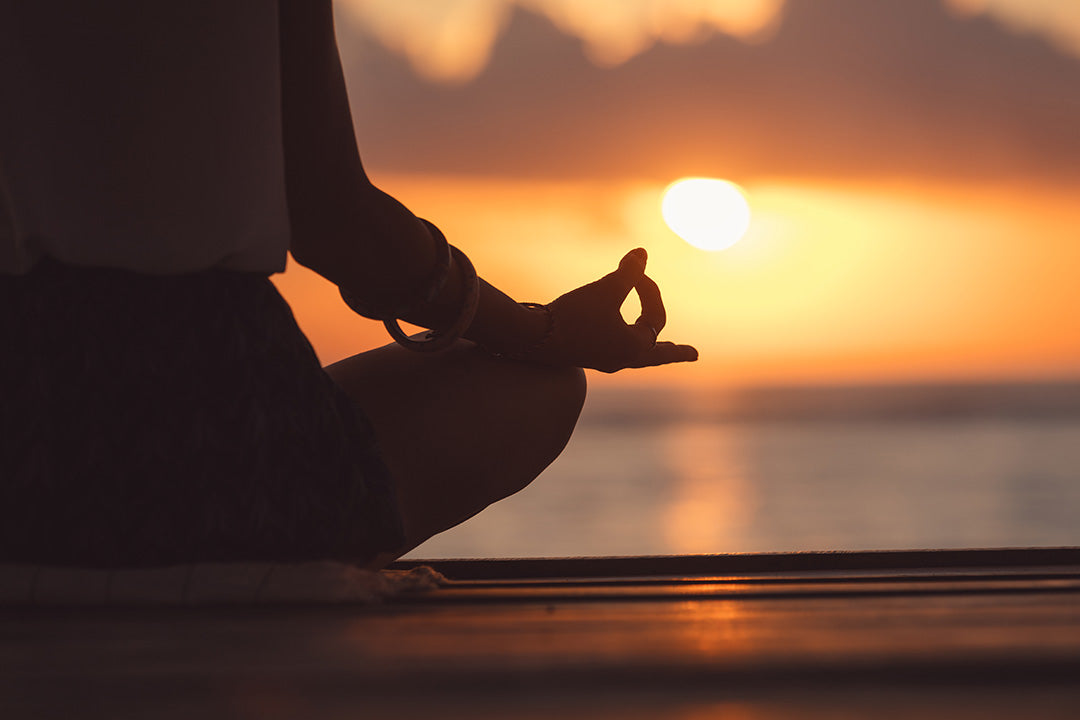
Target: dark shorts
(152, 420)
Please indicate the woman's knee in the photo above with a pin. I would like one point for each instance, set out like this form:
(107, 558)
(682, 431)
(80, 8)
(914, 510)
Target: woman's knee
(549, 417)
(567, 392)
(487, 427)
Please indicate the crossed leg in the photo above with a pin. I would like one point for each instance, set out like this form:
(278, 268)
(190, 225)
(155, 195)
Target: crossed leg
(459, 429)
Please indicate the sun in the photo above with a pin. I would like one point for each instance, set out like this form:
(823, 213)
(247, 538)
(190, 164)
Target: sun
(707, 213)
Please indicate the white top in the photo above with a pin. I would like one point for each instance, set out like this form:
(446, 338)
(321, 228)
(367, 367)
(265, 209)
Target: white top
(141, 135)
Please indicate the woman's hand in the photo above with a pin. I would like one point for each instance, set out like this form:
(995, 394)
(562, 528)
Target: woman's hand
(590, 331)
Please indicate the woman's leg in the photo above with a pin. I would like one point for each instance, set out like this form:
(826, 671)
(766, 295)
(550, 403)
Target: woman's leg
(459, 429)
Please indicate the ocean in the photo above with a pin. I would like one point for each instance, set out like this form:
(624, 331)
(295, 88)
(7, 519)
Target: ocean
(664, 471)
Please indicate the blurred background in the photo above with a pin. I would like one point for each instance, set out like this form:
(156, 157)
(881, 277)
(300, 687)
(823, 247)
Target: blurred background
(890, 356)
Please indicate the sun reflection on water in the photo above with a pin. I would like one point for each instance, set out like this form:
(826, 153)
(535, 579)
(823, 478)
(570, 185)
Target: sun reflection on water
(712, 503)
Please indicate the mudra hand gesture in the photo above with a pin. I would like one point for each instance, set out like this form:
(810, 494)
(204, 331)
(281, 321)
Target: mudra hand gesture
(590, 331)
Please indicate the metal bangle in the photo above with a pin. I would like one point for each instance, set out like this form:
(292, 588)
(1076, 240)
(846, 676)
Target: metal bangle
(441, 338)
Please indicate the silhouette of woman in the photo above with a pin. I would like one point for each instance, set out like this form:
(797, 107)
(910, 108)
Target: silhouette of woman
(157, 162)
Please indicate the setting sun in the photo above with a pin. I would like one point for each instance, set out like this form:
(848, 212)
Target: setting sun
(709, 214)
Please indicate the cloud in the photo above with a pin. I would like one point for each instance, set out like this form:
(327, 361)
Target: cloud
(447, 40)
(840, 88)
(452, 40)
(616, 30)
(1057, 20)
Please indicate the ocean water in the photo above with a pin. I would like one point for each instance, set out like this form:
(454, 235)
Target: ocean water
(773, 470)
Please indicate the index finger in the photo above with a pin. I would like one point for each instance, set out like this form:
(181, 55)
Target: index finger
(652, 305)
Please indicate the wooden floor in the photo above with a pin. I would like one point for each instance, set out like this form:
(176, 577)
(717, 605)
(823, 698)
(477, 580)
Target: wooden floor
(967, 634)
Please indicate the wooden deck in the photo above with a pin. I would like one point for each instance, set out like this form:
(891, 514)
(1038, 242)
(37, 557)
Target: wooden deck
(979, 634)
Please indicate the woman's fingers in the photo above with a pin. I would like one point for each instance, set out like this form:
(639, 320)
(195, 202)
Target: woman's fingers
(593, 333)
(664, 353)
(630, 271)
(645, 333)
(652, 305)
(653, 316)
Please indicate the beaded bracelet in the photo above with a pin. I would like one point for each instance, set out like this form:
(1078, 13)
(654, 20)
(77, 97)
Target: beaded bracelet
(440, 338)
(523, 354)
(432, 286)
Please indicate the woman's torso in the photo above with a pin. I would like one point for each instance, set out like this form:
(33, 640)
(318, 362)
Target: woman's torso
(144, 136)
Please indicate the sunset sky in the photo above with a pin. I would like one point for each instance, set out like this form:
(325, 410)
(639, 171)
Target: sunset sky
(911, 166)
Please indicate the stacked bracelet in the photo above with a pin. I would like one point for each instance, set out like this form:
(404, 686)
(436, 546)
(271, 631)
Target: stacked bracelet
(526, 352)
(441, 338)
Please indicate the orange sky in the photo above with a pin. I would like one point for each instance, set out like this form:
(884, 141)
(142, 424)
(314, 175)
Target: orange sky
(541, 139)
(831, 284)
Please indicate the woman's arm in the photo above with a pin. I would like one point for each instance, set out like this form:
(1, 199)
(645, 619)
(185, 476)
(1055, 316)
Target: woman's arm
(343, 227)
(363, 240)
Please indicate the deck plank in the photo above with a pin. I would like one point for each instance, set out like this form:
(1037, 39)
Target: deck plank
(968, 641)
